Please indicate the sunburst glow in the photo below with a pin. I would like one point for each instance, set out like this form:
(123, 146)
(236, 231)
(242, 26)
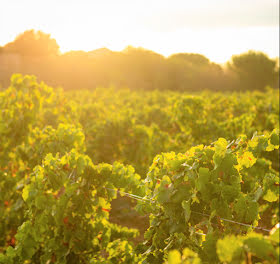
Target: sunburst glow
(163, 26)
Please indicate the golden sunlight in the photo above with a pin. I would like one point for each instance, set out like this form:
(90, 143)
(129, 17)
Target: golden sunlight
(208, 28)
(142, 131)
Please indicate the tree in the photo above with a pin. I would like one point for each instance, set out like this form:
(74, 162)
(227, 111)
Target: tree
(143, 69)
(254, 70)
(32, 43)
(191, 58)
(193, 72)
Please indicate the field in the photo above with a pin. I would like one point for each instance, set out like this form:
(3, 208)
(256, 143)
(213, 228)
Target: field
(199, 171)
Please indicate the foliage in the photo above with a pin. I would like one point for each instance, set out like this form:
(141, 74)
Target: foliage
(136, 68)
(206, 190)
(31, 43)
(252, 247)
(65, 156)
(255, 70)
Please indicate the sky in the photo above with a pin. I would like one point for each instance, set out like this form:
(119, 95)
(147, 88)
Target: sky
(217, 29)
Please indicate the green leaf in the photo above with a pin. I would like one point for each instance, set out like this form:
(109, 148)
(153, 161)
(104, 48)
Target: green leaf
(274, 233)
(176, 164)
(259, 246)
(80, 165)
(25, 192)
(203, 178)
(41, 202)
(270, 196)
(229, 248)
(220, 151)
(246, 209)
(190, 257)
(174, 257)
(274, 139)
(271, 187)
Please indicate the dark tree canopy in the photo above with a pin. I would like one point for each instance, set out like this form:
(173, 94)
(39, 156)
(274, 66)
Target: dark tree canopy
(35, 52)
(191, 71)
(255, 70)
(32, 43)
(192, 58)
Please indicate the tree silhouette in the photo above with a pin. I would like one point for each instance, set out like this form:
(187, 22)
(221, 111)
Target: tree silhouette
(255, 70)
(32, 43)
(193, 72)
(191, 58)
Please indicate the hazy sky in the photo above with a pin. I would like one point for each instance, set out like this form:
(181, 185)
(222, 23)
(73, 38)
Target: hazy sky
(215, 28)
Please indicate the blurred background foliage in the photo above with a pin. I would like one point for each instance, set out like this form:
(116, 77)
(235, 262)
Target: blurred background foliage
(35, 52)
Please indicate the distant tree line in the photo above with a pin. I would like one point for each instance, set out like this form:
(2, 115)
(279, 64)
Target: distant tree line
(137, 68)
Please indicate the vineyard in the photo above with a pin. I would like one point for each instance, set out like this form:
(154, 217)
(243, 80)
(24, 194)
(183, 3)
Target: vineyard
(202, 169)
